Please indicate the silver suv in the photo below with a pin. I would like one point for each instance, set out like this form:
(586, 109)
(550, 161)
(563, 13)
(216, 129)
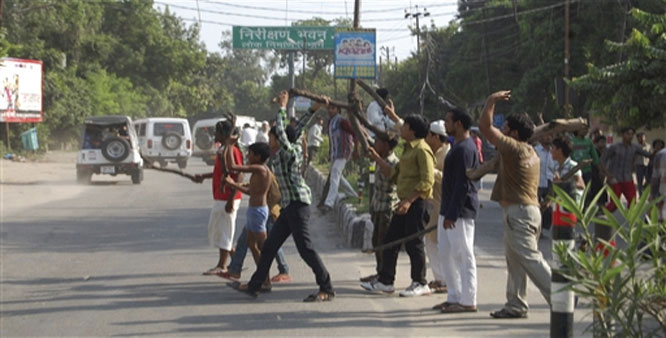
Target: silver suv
(109, 146)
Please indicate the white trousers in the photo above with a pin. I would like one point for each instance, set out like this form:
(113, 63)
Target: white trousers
(336, 174)
(456, 252)
(222, 225)
(434, 260)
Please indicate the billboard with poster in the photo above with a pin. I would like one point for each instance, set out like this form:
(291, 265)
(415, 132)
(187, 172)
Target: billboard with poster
(355, 53)
(21, 91)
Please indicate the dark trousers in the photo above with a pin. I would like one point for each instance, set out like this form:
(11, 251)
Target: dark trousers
(641, 176)
(293, 220)
(401, 226)
(380, 222)
(546, 215)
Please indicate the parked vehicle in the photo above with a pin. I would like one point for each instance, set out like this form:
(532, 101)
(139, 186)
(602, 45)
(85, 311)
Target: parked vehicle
(204, 145)
(109, 146)
(164, 140)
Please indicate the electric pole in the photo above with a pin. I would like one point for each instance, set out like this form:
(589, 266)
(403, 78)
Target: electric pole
(567, 105)
(416, 14)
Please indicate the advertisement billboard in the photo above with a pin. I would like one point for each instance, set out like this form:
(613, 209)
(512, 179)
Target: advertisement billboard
(21, 91)
(355, 54)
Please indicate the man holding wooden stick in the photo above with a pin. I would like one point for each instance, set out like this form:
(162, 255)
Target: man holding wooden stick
(516, 191)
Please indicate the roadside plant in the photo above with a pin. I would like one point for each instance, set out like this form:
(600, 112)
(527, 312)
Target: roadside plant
(623, 277)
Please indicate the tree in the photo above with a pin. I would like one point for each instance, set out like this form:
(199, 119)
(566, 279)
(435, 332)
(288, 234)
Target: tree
(632, 92)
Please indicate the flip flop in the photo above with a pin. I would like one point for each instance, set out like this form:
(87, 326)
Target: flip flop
(214, 271)
(506, 314)
(320, 296)
(229, 276)
(441, 305)
(458, 308)
(243, 288)
(281, 278)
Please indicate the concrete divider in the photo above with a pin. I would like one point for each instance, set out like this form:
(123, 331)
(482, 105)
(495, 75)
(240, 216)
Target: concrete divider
(356, 229)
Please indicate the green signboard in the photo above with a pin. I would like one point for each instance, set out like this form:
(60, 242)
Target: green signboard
(286, 37)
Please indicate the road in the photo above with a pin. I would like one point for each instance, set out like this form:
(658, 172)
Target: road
(118, 259)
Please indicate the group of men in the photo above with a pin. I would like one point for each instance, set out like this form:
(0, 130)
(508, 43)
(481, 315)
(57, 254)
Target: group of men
(424, 192)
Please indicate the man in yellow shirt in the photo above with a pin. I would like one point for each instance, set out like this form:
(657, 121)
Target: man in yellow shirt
(414, 178)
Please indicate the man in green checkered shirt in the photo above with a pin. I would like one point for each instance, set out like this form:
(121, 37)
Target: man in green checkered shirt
(286, 160)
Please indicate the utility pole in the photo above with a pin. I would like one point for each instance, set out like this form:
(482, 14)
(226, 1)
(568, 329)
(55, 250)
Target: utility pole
(567, 105)
(292, 84)
(416, 14)
(485, 50)
(380, 75)
(305, 41)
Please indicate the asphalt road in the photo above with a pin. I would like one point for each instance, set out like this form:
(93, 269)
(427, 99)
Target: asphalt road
(116, 259)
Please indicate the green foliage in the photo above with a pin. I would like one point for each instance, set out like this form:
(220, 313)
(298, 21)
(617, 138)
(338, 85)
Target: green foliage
(624, 282)
(632, 92)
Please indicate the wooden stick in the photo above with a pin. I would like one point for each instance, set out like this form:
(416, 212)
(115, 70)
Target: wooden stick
(372, 93)
(553, 127)
(318, 98)
(557, 126)
(149, 165)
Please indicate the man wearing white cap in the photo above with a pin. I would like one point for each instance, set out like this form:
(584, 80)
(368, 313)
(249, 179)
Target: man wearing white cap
(436, 139)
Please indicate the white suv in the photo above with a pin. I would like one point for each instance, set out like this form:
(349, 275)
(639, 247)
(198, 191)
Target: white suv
(110, 146)
(204, 136)
(165, 139)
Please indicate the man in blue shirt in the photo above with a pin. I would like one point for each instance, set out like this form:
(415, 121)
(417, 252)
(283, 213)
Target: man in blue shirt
(456, 217)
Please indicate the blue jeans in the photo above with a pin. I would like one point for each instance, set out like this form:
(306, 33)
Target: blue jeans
(236, 265)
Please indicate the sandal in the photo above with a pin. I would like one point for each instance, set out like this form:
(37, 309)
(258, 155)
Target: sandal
(506, 314)
(281, 278)
(320, 296)
(228, 275)
(441, 305)
(214, 271)
(458, 308)
(243, 288)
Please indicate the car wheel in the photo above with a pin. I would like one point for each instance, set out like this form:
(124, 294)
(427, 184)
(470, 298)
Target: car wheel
(115, 149)
(171, 141)
(83, 176)
(182, 164)
(163, 163)
(137, 176)
(204, 141)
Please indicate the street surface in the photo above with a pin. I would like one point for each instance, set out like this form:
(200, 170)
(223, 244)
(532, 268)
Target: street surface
(117, 259)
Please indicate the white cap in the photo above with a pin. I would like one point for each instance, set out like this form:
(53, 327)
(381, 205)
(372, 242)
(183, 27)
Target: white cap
(438, 127)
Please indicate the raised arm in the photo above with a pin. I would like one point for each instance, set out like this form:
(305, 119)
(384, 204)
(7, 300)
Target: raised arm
(486, 127)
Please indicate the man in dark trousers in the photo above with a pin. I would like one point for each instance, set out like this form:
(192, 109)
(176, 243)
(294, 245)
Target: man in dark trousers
(286, 160)
(414, 176)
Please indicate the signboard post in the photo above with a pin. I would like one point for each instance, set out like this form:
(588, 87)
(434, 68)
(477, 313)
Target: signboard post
(355, 54)
(284, 38)
(21, 91)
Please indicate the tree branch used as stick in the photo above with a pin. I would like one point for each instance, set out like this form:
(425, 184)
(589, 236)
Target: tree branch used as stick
(318, 98)
(372, 93)
(149, 165)
(553, 127)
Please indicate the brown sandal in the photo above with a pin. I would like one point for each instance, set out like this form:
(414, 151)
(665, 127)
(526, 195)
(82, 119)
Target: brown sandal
(320, 296)
(458, 308)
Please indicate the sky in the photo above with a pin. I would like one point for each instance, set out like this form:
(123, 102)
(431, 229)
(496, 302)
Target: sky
(387, 16)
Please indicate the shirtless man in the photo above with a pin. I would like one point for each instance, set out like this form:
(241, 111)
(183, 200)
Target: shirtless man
(257, 189)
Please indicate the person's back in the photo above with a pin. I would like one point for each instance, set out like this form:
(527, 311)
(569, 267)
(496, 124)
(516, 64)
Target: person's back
(518, 177)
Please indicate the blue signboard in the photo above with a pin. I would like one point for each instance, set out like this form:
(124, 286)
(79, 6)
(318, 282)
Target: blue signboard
(355, 54)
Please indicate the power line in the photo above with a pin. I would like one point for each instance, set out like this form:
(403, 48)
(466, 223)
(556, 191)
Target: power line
(273, 9)
(255, 16)
(529, 11)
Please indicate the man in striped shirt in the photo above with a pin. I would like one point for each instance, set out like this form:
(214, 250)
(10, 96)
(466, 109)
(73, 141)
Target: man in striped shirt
(286, 160)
